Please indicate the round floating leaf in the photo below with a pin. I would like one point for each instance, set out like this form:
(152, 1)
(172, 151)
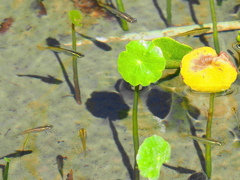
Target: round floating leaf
(172, 50)
(142, 63)
(151, 155)
(75, 17)
(205, 71)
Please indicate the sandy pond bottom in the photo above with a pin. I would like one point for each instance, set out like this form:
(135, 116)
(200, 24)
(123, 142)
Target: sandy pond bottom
(28, 102)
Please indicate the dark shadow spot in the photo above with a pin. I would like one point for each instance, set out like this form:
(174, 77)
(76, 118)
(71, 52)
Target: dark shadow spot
(159, 10)
(180, 169)
(97, 43)
(107, 105)
(159, 102)
(49, 79)
(198, 176)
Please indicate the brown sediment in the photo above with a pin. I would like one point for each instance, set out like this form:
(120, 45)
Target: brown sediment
(42, 10)
(6, 24)
(70, 175)
(38, 4)
(91, 7)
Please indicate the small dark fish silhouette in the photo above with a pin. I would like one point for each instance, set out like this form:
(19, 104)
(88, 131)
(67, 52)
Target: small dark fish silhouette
(99, 44)
(59, 159)
(17, 153)
(49, 79)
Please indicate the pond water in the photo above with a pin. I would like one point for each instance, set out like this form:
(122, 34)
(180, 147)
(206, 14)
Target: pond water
(36, 90)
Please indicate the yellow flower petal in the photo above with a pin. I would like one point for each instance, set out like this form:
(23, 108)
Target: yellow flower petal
(203, 70)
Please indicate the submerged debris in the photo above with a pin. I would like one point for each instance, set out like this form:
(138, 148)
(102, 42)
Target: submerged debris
(5, 25)
(38, 4)
(90, 7)
(83, 136)
(70, 175)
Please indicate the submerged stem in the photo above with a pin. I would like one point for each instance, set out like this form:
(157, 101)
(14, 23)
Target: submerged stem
(5, 172)
(208, 157)
(120, 7)
(169, 13)
(77, 94)
(135, 130)
(215, 30)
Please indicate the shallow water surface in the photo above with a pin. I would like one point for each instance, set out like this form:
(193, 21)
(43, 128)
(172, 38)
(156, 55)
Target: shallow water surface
(45, 97)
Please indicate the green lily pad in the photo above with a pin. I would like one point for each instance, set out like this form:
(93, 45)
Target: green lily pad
(142, 63)
(153, 152)
(76, 17)
(173, 51)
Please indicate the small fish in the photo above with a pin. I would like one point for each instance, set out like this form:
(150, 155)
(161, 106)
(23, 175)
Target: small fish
(122, 15)
(37, 129)
(59, 159)
(83, 136)
(65, 51)
(205, 140)
(193, 32)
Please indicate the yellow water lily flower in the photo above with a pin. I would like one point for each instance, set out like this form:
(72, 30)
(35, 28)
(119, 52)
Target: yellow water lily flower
(205, 71)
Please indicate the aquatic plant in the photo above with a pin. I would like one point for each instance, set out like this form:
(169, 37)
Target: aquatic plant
(215, 30)
(120, 7)
(236, 47)
(153, 152)
(172, 50)
(75, 18)
(205, 71)
(169, 13)
(141, 64)
(5, 172)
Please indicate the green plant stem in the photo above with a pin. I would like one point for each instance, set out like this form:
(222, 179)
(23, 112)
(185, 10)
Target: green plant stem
(120, 7)
(75, 70)
(135, 130)
(169, 13)
(208, 157)
(6, 169)
(215, 30)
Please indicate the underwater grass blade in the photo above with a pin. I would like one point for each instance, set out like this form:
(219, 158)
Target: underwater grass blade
(208, 156)
(169, 13)
(75, 17)
(215, 30)
(5, 173)
(135, 130)
(120, 7)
